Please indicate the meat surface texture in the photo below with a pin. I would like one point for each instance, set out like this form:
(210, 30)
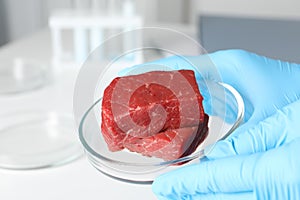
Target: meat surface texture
(157, 113)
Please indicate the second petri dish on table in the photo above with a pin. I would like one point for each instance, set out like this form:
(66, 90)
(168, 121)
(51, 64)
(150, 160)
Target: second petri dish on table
(20, 75)
(40, 139)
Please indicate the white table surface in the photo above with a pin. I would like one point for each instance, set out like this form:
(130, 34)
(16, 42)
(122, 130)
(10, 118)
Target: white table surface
(76, 180)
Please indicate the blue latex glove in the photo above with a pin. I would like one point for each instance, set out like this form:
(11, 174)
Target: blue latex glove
(267, 167)
(260, 158)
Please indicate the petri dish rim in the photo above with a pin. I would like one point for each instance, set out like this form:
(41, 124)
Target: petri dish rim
(59, 156)
(21, 75)
(240, 116)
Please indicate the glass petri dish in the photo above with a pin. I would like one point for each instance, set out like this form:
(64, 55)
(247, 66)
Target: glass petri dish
(222, 102)
(32, 140)
(132, 167)
(21, 75)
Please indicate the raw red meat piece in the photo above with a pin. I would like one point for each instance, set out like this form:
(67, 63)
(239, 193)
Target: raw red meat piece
(158, 113)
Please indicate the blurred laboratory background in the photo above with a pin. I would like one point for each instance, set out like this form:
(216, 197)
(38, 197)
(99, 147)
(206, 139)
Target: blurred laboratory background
(43, 45)
(270, 28)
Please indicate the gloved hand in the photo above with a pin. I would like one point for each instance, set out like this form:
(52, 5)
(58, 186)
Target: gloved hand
(266, 168)
(266, 85)
(259, 159)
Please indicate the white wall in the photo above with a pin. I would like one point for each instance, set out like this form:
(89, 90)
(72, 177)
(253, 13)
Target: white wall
(147, 9)
(164, 11)
(27, 16)
(22, 17)
(282, 9)
(171, 11)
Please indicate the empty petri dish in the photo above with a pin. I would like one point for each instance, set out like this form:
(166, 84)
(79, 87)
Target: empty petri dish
(20, 75)
(31, 140)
